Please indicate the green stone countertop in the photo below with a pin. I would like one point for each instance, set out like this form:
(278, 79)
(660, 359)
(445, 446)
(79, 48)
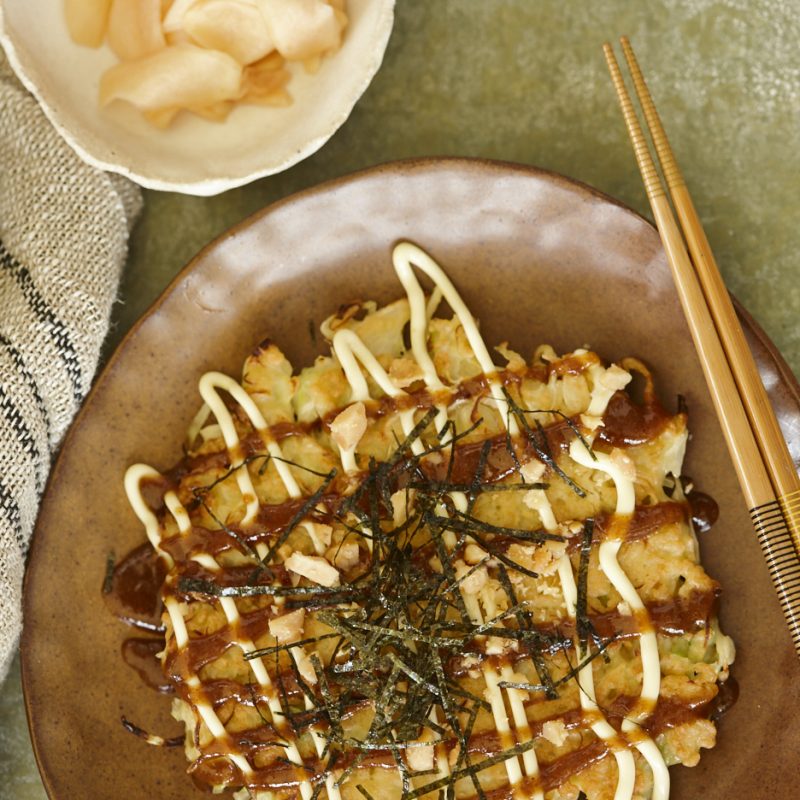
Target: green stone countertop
(525, 80)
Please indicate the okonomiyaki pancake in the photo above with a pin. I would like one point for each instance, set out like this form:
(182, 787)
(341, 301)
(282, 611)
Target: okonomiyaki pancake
(421, 569)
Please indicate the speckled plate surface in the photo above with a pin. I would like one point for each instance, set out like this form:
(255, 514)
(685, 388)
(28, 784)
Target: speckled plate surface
(538, 258)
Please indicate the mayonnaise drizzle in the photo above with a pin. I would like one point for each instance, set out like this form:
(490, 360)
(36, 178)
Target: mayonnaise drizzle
(209, 384)
(405, 257)
(134, 476)
(598, 723)
(626, 768)
(351, 352)
(648, 644)
(349, 349)
(228, 605)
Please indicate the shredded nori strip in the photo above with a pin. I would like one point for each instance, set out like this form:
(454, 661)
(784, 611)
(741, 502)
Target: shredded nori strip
(538, 440)
(583, 624)
(463, 523)
(568, 421)
(108, 580)
(524, 623)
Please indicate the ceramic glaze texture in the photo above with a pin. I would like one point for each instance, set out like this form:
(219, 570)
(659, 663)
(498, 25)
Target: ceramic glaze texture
(527, 81)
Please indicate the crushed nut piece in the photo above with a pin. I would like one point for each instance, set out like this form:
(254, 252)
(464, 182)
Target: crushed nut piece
(349, 426)
(555, 731)
(315, 568)
(289, 627)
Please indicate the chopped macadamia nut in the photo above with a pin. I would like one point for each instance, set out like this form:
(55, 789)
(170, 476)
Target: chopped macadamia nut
(304, 665)
(533, 499)
(533, 471)
(475, 579)
(495, 646)
(289, 627)
(315, 568)
(570, 528)
(419, 757)
(555, 731)
(349, 426)
(346, 555)
(474, 554)
(624, 608)
(402, 503)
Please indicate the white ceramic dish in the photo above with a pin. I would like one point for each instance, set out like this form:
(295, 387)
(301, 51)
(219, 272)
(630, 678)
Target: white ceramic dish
(194, 156)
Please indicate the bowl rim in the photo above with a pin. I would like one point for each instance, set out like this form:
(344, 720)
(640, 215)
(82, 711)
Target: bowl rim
(204, 187)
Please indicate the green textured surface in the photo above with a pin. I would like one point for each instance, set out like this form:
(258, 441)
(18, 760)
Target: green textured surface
(526, 81)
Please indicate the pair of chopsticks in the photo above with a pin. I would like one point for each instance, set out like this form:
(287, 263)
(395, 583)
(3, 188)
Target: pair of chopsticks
(760, 456)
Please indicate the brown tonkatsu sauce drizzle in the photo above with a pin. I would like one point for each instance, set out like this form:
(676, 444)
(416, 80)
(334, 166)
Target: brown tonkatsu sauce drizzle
(668, 713)
(669, 617)
(142, 655)
(646, 422)
(136, 586)
(646, 520)
(705, 510)
(626, 424)
(134, 594)
(203, 650)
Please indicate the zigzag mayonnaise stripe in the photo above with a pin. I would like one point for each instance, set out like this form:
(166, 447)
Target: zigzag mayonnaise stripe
(598, 723)
(209, 384)
(622, 472)
(405, 257)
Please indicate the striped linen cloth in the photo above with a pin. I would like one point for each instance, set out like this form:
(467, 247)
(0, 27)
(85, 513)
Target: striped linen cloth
(64, 230)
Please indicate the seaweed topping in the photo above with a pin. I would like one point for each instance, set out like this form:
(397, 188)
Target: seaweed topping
(398, 623)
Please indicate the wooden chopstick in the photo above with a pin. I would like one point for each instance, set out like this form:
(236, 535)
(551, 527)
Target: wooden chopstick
(752, 468)
(751, 389)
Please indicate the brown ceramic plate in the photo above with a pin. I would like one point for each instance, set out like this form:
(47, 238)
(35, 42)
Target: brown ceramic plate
(538, 258)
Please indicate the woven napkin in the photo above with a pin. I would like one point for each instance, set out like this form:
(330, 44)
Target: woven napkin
(63, 240)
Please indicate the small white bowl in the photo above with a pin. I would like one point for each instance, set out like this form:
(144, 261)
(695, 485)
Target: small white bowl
(193, 156)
